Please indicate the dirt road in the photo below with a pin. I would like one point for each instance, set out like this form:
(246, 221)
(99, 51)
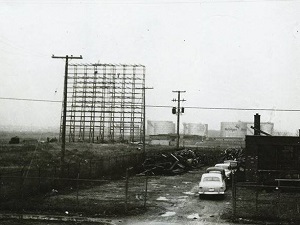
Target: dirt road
(171, 200)
(174, 200)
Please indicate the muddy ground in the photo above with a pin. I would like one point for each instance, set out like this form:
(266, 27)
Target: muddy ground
(174, 200)
(170, 200)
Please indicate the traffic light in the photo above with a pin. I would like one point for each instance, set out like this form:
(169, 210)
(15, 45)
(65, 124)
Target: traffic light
(174, 110)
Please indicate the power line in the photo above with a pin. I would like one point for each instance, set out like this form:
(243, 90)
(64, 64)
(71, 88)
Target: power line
(136, 2)
(30, 99)
(228, 108)
(169, 106)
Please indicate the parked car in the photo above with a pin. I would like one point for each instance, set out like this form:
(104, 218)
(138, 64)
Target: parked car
(233, 163)
(216, 170)
(226, 167)
(212, 184)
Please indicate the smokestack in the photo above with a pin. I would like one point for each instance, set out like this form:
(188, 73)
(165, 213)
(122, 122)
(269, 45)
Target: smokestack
(256, 124)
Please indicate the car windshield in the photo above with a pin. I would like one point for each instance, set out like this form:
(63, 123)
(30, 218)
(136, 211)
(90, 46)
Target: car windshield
(211, 179)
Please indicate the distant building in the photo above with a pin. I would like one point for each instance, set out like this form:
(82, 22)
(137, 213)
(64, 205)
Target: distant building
(195, 129)
(241, 129)
(30, 141)
(160, 127)
(14, 140)
(233, 129)
(163, 139)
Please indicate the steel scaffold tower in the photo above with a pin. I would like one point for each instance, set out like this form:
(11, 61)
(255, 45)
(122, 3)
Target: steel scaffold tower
(105, 103)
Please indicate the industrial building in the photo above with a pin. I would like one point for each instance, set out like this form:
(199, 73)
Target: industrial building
(163, 133)
(195, 129)
(271, 157)
(160, 127)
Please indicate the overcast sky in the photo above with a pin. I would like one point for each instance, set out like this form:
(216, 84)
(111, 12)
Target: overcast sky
(224, 53)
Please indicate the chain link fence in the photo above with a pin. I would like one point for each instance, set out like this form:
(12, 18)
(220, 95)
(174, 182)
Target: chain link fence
(94, 187)
(263, 202)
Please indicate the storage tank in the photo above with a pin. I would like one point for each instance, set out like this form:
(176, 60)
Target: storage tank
(233, 129)
(195, 129)
(266, 127)
(160, 127)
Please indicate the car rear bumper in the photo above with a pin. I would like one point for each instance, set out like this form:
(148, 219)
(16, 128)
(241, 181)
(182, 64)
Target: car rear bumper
(211, 192)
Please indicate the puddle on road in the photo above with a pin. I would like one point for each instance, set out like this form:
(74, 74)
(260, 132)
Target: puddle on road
(184, 196)
(186, 182)
(193, 216)
(162, 199)
(188, 193)
(168, 214)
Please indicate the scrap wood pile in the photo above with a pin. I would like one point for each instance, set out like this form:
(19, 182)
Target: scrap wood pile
(172, 163)
(234, 154)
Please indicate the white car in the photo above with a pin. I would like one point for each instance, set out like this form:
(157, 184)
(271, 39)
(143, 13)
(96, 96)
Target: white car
(212, 184)
(216, 170)
(226, 167)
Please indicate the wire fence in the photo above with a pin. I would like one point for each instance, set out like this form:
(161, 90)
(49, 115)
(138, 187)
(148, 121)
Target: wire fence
(279, 203)
(73, 196)
(97, 187)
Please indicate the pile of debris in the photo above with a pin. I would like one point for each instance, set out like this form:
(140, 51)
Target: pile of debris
(171, 163)
(234, 154)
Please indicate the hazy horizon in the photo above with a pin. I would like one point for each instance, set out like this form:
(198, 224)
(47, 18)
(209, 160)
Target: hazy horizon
(224, 54)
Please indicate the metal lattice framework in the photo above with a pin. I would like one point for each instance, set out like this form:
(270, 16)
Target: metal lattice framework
(105, 103)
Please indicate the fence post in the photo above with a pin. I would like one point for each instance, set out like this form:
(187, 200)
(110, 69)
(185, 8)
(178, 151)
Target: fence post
(54, 176)
(39, 180)
(233, 187)
(256, 199)
(109, 166)
(69, 168)
(79, 166)
(278, 203)
(0, 189)
(77, 187)
(124, 164)
(100, 167)
(20, 206)
(126, 190)
(90, 169)
(146, 190)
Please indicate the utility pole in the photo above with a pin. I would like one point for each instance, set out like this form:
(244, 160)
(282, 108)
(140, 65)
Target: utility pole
(63, 135)
(178, 111)
(144, 122)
